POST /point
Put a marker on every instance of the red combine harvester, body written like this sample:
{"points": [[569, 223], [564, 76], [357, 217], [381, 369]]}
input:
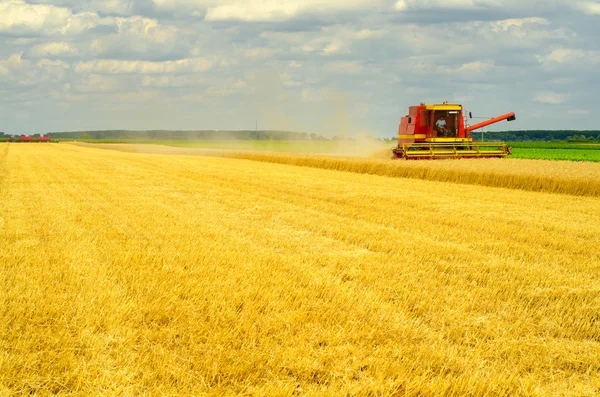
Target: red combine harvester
{"points": [[439, 131], [25, 138]]}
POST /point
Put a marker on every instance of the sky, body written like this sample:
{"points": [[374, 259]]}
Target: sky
{"points": [[333, 67]]}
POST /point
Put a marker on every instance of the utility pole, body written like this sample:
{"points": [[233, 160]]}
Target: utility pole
{"points": [[486, 118]]}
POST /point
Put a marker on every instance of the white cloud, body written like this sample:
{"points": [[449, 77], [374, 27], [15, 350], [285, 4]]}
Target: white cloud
{"points": [[54, 69], [330, 40], [146, 27], [172, 81], [343, 67], [550, 98], [506, 24], [14, 63], [113, 6], [516, 31], [262, 10], [369, 34], [563, 55], [172, 5], [51, 49], [587, 6], [50, 63], [569, 56], [113, 66], [403, 5], [18, 17], [79, 23], [136, 35], [260, 52], [25, 72], [98, 83], [427, 50], [209, 87], [590, 7], [337, 46], [476, 67]]}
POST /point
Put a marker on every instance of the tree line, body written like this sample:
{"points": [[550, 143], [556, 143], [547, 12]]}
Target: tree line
{"points": [[512, 136], [190, 135], [541, 135]]}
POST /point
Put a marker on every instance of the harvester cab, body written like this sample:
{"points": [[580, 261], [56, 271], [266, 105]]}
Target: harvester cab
{"points": [[440, 131]]}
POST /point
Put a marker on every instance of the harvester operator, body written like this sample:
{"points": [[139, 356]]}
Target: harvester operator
{"points": [[440, 126]]}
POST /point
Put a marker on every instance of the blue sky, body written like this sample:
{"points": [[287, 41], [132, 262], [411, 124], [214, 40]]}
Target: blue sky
{"points": [[332, 67]]}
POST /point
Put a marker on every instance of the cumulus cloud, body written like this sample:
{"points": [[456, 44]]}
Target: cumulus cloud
{"points": [[20, 18], [263, 10], [440, 11], [550, 98], [329, 40], [111, 7], [512, 23], [403, 5], [51, 49], [260, 52], [569, 55], [590, 7], [113, 66], [98, 83], [279, 10], [386, 54], [138, 38], [343, 67], [57, 69], [369, 33], [14, 62], [471, 68], [18, 71]]}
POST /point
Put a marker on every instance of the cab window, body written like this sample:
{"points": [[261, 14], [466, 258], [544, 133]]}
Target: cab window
{"points": [[445, 123]]}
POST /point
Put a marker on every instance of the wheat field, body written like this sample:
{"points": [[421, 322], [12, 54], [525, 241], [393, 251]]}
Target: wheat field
{"points": [[574, 178], [153, 274]]}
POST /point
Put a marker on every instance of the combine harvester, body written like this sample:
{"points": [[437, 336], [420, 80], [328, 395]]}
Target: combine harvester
{"points": [[440, 132], [26, 138]]}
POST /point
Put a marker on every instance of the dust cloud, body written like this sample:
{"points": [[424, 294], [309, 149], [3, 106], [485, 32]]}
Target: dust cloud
{"points": [[281, 104]]}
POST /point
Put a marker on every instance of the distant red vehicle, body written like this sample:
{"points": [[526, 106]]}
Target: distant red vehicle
{"points": [[24, 138], [44, 139]]}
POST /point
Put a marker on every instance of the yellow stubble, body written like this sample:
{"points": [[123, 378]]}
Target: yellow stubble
{"points": [[134, 273]]}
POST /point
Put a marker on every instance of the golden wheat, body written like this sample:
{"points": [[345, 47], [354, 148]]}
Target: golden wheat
{"points": [[566, 177], [581, 179], [141, 274]]}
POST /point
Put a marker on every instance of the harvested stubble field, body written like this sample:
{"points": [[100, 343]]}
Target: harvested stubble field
{"points": [[130, 274]]}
